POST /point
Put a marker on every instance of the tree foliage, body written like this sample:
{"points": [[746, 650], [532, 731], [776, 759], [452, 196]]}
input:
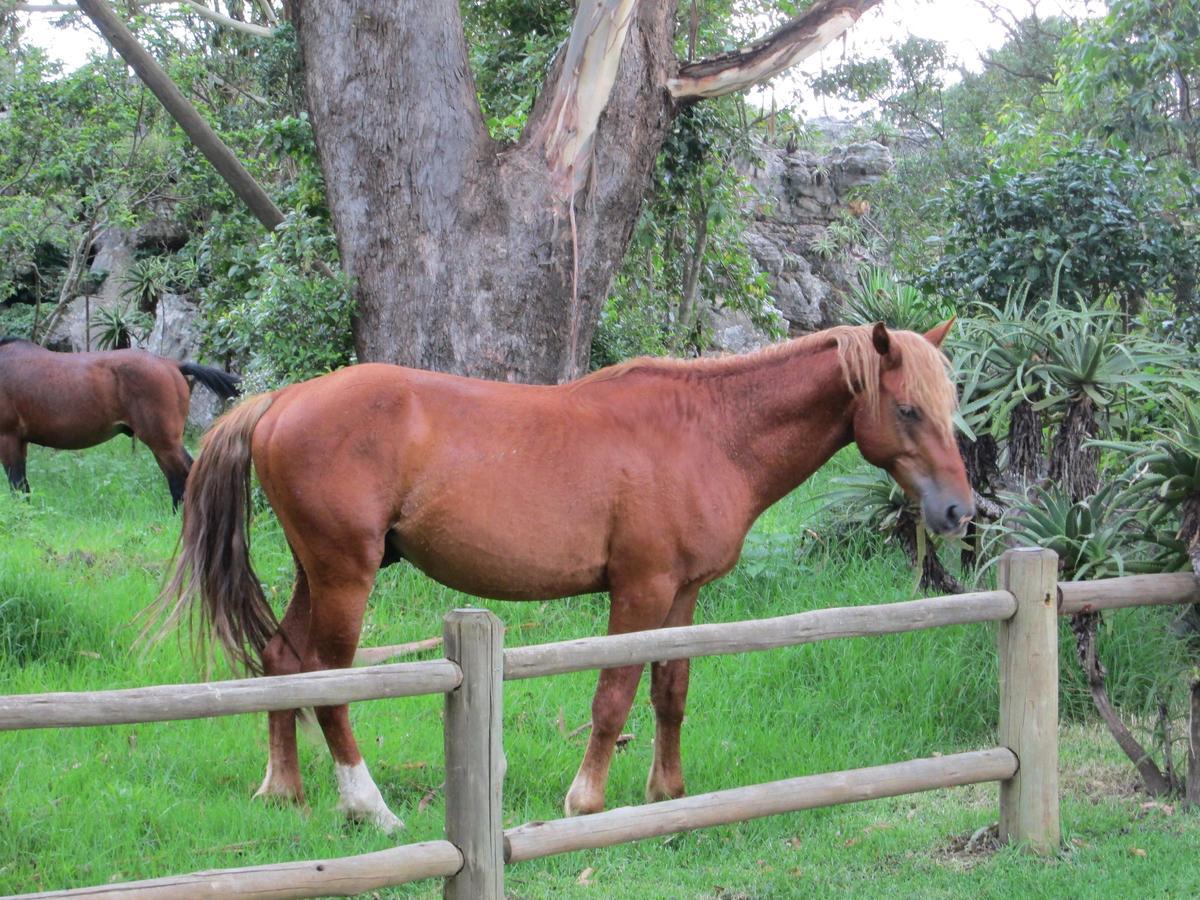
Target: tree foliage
{"points": [[1090, 219]]}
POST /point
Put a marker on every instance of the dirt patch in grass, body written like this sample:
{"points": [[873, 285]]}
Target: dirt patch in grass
{"points": [[965, 851]]}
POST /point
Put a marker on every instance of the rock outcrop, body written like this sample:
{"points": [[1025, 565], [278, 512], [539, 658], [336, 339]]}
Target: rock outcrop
{"points": [[809, 267], [176, 329]]}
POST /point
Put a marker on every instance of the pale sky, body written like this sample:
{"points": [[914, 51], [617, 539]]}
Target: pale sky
{"points": [[965, 26]]}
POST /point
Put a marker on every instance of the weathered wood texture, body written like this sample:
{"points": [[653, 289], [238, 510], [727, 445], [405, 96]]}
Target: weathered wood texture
{"points": [[618, 826], [1131, 590], [182, 111], [1028, 642], [761, 634], [373, 656], [475, 754], [314, 878], [165, 702]]}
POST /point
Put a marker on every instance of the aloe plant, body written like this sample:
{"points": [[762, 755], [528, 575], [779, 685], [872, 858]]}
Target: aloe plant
{"points": [[1092, 537], [1164, 477], [879, 297], [119, 327], [1010, 344], [1091, 359]]}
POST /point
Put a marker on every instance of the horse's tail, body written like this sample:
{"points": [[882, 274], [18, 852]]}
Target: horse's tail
{"points": [[213, 563], [223, 384]]}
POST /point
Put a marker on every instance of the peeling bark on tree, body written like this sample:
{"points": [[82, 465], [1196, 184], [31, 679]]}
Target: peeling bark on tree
{"points": [[476, 257], [467, 252], [728, 73], [1084, 627]]}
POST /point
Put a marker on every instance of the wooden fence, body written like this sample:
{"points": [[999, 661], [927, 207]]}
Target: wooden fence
{"points": [[477, 847]]}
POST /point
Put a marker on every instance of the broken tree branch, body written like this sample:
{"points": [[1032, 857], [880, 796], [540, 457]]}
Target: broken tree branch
{"points": [[1084, 627], [182, 111], [801, 37]]}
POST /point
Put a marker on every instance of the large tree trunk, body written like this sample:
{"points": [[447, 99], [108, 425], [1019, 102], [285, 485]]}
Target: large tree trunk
{"points": [[472, 256], [490, 259]]}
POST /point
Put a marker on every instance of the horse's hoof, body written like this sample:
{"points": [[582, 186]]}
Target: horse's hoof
{"points": [[658, 789], [575, 806], [361, 800], [656, 794], [276, 790]]}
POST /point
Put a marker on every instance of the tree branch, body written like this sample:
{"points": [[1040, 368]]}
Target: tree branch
{"points": [[796, 40], [213, 16], [198, 8], [197, 129], [585, 81]]}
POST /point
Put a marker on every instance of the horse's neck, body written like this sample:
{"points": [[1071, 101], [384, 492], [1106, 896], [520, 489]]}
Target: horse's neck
{"points": [[784, 419]]}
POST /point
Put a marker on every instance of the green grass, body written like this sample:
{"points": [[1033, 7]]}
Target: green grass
{"points": [[88, 806]]}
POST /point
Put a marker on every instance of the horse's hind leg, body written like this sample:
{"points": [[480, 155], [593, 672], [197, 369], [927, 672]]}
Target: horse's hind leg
{"points": [[283, 656], [634, 608], [159, 425], [339, 585], [668, 693], [175, 463], [12, 457]]}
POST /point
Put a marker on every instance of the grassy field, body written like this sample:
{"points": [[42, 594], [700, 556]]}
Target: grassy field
{"points": [[89, 806]]}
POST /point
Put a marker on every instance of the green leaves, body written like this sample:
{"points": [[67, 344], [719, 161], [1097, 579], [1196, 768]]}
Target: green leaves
{"points": [[1087, 219], [1093, 538]]}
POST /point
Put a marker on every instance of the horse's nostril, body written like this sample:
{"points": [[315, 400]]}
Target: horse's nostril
{"points": [[957, 516]]}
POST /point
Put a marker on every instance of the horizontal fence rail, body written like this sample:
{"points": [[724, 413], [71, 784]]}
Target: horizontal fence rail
{"points": [[633, 823], [691, 641], [1026, 766], [1129, 590], [315, 878], [165, 702]]}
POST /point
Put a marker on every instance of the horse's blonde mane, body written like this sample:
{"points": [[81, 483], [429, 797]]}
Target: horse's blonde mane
{"points": [[926, 384]]}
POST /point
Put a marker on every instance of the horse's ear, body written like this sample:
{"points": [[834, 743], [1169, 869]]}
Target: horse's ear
{"points": [[881, 339], [938, 333]]}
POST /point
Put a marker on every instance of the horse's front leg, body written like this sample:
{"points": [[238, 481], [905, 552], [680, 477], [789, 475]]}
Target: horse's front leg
{"points": [[635, 607], [668, 693], [12, 457]]}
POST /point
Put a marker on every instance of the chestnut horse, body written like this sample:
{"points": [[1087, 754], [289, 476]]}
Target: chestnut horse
{"points": [[74, 400], [641, 480]]}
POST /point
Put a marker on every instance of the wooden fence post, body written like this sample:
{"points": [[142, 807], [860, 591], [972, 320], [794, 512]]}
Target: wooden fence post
{"points": [[475, 754], [1029, 700]]}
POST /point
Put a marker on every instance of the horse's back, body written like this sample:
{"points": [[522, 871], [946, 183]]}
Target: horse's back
{"points": [[500, 490], [74, 400]]}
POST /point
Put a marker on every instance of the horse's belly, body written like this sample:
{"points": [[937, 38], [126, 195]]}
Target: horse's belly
{"points": [[506, 564], [74, 436]]}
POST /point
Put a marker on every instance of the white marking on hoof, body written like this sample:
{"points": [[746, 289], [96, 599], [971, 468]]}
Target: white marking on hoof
{"points": [[360, 798]]}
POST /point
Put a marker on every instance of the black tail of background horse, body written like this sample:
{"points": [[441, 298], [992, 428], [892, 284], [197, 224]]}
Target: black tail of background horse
{"points": [[220, 383]]}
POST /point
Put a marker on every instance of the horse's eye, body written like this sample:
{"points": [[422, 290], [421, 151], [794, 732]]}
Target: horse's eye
{"points": [[909, 413]]}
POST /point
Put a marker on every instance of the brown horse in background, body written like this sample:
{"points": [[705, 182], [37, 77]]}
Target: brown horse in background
{"points": [[70, 401], [641, 480]]}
